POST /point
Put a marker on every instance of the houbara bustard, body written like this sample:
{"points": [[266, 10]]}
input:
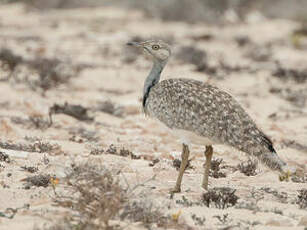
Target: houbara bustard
{"points": [[201, 113]]}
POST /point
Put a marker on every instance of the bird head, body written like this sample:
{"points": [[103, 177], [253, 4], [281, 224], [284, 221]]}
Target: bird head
{"points": [[155, 49]]}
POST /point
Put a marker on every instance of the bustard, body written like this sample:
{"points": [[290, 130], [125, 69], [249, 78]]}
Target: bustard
{"points": [[201, 113]]}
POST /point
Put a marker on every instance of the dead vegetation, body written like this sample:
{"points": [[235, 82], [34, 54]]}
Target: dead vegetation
{"points": [[95, 198], [95, 195], [297, 97], [4, 157], [281, 196], [32, 122], [42, 180], [8, 62], [294, 144], [248, 168], [121, 152], [258, 53], [30, 169], [289, 74], [216, 166], [220, 198], [299, 178], [77, 111], [38, 146], [145, 212], [79, 134], [200, 221], [302, 198], [42, 73]]}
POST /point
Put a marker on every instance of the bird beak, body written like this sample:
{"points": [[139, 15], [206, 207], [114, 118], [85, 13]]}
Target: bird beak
{"points": [[136, 44]]}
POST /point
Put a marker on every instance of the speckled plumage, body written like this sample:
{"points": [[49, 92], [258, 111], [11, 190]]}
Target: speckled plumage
{"points": [[208, 113]]}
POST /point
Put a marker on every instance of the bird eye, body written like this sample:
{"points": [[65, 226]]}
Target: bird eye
{"points": [[155, 47]]}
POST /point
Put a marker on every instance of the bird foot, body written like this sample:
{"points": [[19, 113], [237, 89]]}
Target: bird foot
{"points": [[175, 190]]}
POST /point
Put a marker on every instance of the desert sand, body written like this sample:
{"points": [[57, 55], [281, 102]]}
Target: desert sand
{"points": [[240, 59]]}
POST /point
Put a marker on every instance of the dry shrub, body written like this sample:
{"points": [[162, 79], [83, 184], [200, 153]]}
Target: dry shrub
{"points": [[77, 111], [89, 135], [30, 169], [297, 97], [38, 146], [216, 167], [302, 198], [42, 180], [9, 60], [220, 197], [145, 212], [299, 178], [286, 74], [36, 122], [281, 196], [95, 195], [4, 157], [122, 152], [248, 168], [38, 73], [95, 198]]}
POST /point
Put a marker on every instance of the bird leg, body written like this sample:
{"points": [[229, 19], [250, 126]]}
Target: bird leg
{"points": [[208, 154], [184, 161]]}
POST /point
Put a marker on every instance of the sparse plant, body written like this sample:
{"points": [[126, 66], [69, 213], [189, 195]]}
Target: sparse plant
{"points": [[77, 111], [299, 178], [88, 135], [302, 198], [30, 169], [42, 180], [145, 212], [4, 157], [224, 219], [248, 168], [97, 151], [36, 122], [186, 202], [96, 197], [122, 152], [95, 194], [38, 146], [281, 196], [198, 220], [220, 197], [216, 167]]}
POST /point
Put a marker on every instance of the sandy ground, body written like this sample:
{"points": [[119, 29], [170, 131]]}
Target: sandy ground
{"points": [[97, 37]]}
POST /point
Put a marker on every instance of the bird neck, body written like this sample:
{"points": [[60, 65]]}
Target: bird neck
{"points": [[152, 79]]}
